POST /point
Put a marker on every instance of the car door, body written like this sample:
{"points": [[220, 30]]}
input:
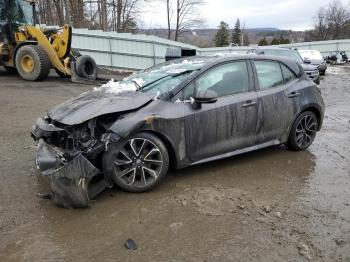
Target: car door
{"points": [[276, 99], [228, 124]]}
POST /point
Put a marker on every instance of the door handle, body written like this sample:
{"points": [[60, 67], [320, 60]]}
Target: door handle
{"points": [[293, 94], [249, 103]]}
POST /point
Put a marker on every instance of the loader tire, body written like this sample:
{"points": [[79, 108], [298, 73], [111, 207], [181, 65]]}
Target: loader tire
{"points": [[32, 63], [86, 67]]}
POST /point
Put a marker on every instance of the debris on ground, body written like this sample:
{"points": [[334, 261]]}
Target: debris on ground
{"points": [[267, 209], [44, 195], [304, 251], [278, 214], [130, 244], [340, 242]]}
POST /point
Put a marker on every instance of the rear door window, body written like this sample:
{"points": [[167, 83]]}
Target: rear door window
{"points": [[269, 74]]}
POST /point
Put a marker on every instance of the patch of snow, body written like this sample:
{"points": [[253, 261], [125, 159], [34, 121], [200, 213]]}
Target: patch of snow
{"points": [[139, 81], [117, 87], [176, 71]]}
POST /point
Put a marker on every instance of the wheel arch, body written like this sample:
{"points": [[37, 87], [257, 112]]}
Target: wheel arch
{"points": [[173, 160], [314, 108], [19, 45]]}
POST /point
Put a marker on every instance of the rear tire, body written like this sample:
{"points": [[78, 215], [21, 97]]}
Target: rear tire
{"points": [[32, 63], [303, 131], [138, 163]]}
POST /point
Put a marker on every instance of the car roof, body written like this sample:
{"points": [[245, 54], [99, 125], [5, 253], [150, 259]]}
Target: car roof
{"points": [[272, 48], [290, 63]]}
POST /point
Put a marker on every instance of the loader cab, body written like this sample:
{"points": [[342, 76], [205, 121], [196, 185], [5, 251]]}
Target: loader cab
{"points": [[17, 11], [14, 13]]}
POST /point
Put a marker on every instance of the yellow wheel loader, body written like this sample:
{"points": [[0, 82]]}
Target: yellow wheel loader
{"points": [[32, 51]]}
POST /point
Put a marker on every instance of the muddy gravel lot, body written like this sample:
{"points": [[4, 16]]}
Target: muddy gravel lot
{"points": [[269, 205]]}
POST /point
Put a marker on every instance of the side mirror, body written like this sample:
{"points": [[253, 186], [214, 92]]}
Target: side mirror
{"points": [[204, 97], [307, 60]]}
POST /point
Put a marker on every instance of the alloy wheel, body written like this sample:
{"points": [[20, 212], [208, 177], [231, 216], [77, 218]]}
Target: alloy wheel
{"points": [[138, 163], [306, 131]]}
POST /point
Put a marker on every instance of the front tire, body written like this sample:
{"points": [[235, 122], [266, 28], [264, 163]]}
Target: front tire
{"points": [[138, 163], [303, 131], [32, 63]]}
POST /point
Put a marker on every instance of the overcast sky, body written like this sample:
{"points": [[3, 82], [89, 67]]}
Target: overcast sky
{"points": [[282, 14]]}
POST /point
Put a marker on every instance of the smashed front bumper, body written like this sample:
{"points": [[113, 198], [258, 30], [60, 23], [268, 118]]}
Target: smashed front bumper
{"points": [[73, 179], [69, 180]]}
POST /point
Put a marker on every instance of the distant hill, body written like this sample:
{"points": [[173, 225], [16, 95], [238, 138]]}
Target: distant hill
{"points": [[205, 37]]}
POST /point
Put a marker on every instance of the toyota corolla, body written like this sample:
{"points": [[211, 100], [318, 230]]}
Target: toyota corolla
{"points": [[176, 114]]}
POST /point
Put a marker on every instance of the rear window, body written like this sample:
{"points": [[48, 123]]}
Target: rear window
{"points": [[311, 54], [291, 54], [269, 74]]}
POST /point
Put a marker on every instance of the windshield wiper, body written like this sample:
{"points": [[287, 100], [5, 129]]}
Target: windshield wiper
{"points": [[137, 84], [170, 75]]}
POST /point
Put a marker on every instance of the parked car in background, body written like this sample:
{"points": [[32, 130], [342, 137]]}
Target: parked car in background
{"points": [[315, 58], [309, 69], [179, 113], [338, 57]]}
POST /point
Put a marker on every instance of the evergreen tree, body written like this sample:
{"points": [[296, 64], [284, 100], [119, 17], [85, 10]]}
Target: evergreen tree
{"points": [[263, 42], [275, 41], [236, 34], [281, 40], [287, 41], [222, 35]]}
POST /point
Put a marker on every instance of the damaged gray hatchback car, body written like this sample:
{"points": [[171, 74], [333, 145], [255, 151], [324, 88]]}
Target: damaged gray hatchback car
{"points": [[179, 113]]}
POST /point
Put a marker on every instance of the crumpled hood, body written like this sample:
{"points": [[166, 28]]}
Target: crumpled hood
{"points": [[308, 67], [317, 62], [96, 103]]}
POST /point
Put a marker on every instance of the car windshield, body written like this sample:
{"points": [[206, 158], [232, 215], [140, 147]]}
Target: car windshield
{"points": [[163, 78], [160, 79], [286, 53], [311, 54], [19, 11]]}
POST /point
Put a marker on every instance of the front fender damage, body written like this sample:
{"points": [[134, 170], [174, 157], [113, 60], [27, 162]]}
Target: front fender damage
{"points": [[69, 179]]}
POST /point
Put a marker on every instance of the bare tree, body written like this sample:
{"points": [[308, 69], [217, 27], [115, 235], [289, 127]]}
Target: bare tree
{"points": [[169, 14], [187, 16], [115, 15], [59, 11], [331, 22]]}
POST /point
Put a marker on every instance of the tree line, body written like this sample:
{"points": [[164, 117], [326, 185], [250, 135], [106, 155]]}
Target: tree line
{"points": [[107, 15], [119, 15], [331, 22]]}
